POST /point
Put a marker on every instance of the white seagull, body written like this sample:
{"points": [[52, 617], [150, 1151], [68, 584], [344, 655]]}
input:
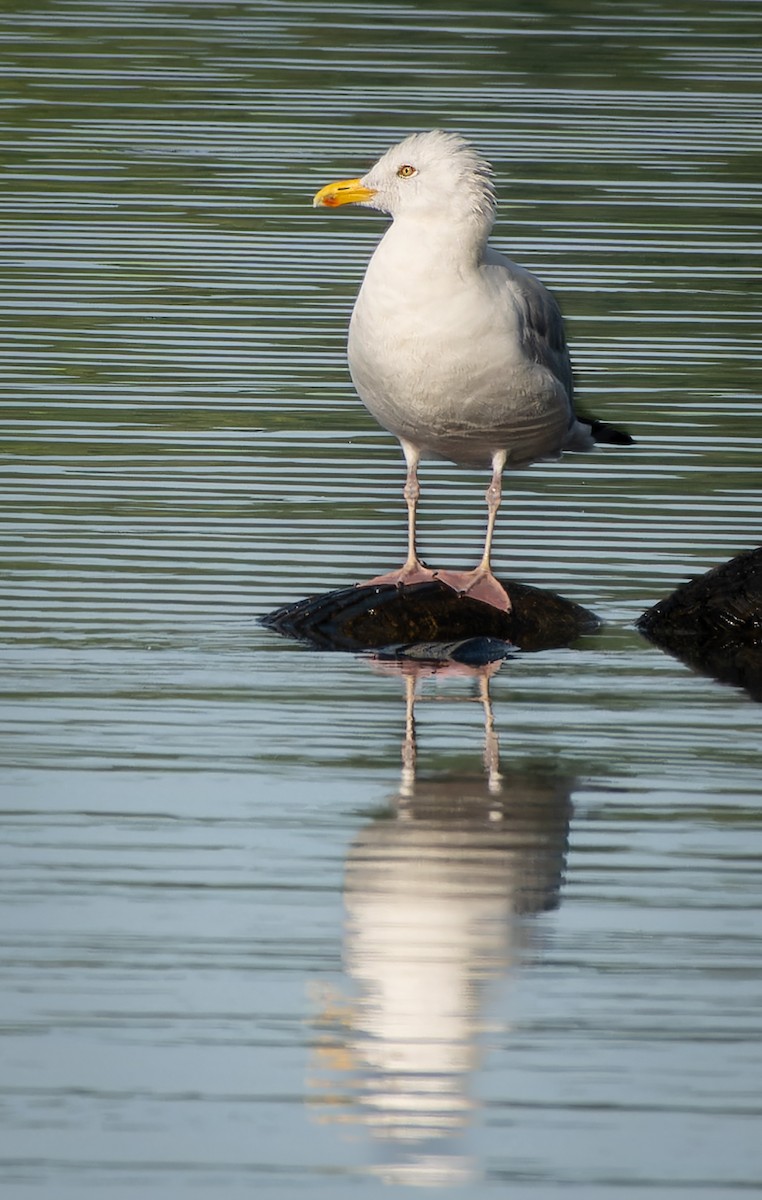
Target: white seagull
{"points": [[455, 349]]}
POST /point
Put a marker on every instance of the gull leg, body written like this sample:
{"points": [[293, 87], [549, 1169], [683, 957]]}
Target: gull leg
{"points": [[412, 492], [481, 584], [412, 570]]}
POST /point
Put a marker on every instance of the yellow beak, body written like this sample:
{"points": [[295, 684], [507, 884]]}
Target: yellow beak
{"points": [[344, 191]]}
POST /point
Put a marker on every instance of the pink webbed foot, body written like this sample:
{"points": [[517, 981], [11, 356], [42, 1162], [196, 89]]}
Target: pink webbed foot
{"points": [[480, 584], [409, 574]]}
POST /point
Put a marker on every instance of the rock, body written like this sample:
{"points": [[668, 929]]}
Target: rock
{"points": [[403, 620], [714, 623]]}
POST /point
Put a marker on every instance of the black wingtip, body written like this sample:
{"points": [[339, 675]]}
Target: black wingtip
{"points": [[603, 432]]}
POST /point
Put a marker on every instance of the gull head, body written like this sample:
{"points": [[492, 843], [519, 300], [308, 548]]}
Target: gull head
{"points": [[427, 176]]}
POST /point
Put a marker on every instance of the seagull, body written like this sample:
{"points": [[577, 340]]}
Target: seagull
{"points": [[455, 349]]}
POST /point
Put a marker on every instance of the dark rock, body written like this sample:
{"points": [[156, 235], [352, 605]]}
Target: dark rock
{"points": [[394, 620], [714, 623]]}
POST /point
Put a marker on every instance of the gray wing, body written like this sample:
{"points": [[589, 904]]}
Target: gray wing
{"points": [[542, 333], [544, 341]]}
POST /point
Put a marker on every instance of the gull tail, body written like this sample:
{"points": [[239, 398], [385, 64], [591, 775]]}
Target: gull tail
{"points": [[603, 432]]}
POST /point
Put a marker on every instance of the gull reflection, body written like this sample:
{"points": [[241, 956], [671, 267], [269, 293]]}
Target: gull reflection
{"points": [[438, 893]]}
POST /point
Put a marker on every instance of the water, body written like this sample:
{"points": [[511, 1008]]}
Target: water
{"points": [[280, 922]]}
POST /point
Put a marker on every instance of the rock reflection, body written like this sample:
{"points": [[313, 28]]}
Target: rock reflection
{"points": [[436, 895]]}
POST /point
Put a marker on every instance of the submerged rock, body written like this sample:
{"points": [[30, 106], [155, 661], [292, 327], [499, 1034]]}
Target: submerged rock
{"points": [[714, 623], [405, 620]]}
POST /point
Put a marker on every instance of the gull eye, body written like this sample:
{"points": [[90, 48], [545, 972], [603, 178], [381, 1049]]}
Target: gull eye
{"points": [[406, 171]]}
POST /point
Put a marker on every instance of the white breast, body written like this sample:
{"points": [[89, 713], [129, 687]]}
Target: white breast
{"points": [[436, 352]]}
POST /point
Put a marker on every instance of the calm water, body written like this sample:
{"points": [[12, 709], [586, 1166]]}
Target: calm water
{"points": [[286, 923]]}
